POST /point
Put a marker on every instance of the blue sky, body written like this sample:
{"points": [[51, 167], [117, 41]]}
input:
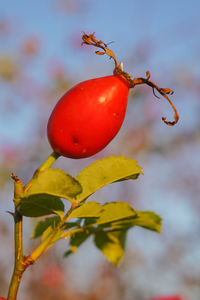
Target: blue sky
{"points": [[171, 26], [172, 23]]}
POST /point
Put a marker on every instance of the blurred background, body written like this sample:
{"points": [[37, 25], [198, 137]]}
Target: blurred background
{"points": [[40, 58]]}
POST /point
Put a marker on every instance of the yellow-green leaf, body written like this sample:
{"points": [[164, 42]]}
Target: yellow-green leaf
{"points": [[147, 219], [53, 182], [111, 244], [105, 171], [115, 211], [40, 205], [87, 210], [41, 226]]}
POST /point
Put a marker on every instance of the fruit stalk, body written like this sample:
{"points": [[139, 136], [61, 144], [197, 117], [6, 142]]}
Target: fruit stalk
{"points": [[48, 163]]}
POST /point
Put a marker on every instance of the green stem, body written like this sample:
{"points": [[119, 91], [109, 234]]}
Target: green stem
{"points": [[47, 164], [49, 240], [20, 263], [67, 234], [43, 247], [18, 267]]}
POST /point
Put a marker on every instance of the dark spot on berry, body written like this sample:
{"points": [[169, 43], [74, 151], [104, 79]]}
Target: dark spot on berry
{"points": [[75, 140]]}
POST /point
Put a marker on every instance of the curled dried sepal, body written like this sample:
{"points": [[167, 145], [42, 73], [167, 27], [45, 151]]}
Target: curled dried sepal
{"points": [[162, 91], [99, 52], [89, 39]]}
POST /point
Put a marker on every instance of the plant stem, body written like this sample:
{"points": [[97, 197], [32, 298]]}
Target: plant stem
{"points": [[22, 263], [18, 267], [50, 239], [48, 162]]}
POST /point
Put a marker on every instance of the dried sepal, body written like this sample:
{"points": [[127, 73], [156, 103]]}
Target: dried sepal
{"points": [[99, 52], [89, 39], [162, 91]]}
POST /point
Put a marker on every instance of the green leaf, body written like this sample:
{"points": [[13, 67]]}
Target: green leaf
{"points": [[87, 210], [53, 182], [105, 171], [111, 245], [69, 225], [147, 219], [88, 222], [76, 241], [115, 211], [41, 226], [40, 205]]}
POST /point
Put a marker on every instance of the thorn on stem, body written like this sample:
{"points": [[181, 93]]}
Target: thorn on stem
{"points": [[11, 213]]}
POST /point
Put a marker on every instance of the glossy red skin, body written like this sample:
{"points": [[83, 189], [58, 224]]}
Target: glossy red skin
{"points": [[88, 116], [168, 298]]}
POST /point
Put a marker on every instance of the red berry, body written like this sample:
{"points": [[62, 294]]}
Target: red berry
{"points": [[88, 116], [1, 298], [168, 298]]}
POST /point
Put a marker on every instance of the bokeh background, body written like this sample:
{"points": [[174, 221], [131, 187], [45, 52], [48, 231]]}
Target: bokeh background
{"points": [[40, 58]]}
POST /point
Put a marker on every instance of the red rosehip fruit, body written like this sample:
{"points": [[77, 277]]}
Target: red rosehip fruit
{"points": [[175, 297], [88, 116]]}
